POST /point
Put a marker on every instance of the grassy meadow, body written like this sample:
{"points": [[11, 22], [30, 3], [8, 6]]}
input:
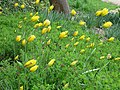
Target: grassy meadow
{"points": [[44, 50]]}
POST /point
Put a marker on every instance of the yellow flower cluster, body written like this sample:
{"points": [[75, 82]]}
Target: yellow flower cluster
{"points": [[107, 24], [50, 8], [35, 18], [103, 12], [63, 34], [82, 23], [31, 63], [73, 12]]}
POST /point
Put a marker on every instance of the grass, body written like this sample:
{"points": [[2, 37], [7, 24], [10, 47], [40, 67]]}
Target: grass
{"points": [[90, 72]]}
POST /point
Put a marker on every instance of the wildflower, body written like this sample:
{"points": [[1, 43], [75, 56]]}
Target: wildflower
{"points": [[35, 18], [111, 39], [102, 57], [21, 88], [40, 24], [63, 35], [46, 22], [16, 57], [67, 46], [75, 33], [16, 4], [82, 23], [34, 68], [24, 42], [25, 18], [30, 63], [88, 39], [118, 58], [92, 45], [109, 56], [36, 25], [31, 14], [59, 27], [37, 2], [76, 43], [73, 12], [49, 28], [107, 24], [73, 63], [22, 6], [82, 37], [31, 38], [51, 62], [66, 85], [104, 12], [18, 38], [98, 13], [51, 7], [48, 42], [44, 30], [0, 10], [72, 39], [19, 26], [82, 51]]}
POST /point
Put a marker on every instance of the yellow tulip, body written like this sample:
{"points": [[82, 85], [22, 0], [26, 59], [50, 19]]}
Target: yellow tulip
{"points": [[72, 39], [31, 14], [111, 39], [30, 63], [74, 63], [44, 30], [46, 22], [59, 27], [88, 39], [34, 68], [76, 43], [82, 51], [18, 38], [40, 24], [104, 12], [92, 45], [36, 25], [16, 4], [63, 35], [19, 26], [31, 38], [16, 57], [82, 37], [35, 18], [48, 42], [98, 13], [73, 12], [118, 58], [51, 62], [24, 42], [25, 18], [37, 2], [102, 57], [21, 88], [82, 23], [49, 29], [22, 6], [67, 46], [107, 24], [51, 7], [66, 85], [75, 33]]}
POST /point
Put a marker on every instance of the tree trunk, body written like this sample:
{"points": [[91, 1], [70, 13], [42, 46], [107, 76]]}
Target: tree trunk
{"points": [[60, 6]]}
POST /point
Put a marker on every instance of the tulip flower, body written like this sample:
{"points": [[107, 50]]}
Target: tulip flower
{"points": [[35, 18], [74, 63], [22, 6], [75, 33], [111, 39], [24, 42], [18, 38], [31, 38], [73, 12], [82, 23], [16, 5], [34, 68], [107, 24], [46, 22], [51, 62], [30, 63]]}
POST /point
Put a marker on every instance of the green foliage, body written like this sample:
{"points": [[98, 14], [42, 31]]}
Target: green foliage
{"points": [[90, 72]]}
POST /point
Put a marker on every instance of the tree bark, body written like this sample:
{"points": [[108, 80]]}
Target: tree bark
{"points": [[60, 6]]}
